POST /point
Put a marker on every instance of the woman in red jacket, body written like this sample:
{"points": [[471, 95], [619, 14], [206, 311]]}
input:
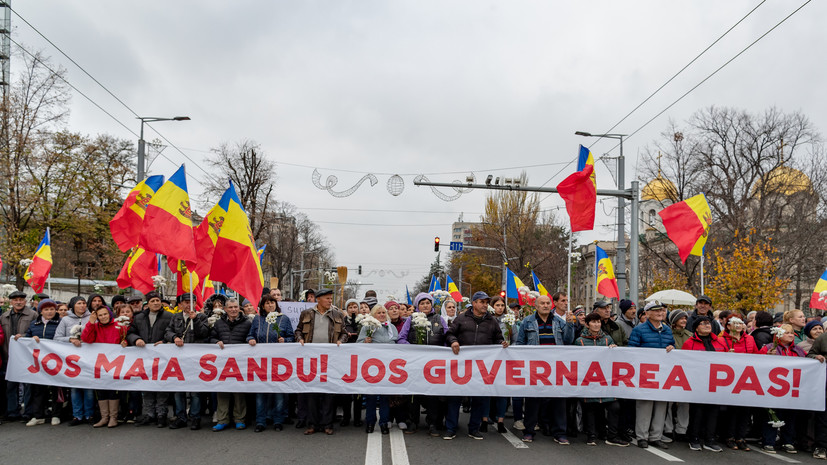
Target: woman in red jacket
{"points": [[735, 339], [103, 329], [703, 418]]}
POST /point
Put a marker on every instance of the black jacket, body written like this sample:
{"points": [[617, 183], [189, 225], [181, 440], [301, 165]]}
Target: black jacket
{"points": [[192, 331], [140, 329], [762, 336], [231, 332], [470, 331]]}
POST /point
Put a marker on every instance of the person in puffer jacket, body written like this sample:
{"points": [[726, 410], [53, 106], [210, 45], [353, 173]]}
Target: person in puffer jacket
{"points": [[783, 344], [650, 416], [188, 326], [231, 328], [44, 327], [270, 406], [102, 328], [83, 400], [703, 418], [609, 407], [735, 339]]}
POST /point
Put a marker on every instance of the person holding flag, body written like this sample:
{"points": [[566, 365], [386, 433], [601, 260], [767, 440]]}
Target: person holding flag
{"points": [[15, 321]]}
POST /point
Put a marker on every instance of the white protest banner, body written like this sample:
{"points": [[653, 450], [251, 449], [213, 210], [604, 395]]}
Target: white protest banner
{"points": [[523, 371]]}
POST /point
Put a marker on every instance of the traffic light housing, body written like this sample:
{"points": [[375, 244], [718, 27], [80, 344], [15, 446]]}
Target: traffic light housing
{"points": [[360, 269], [436, 244], [502, 294]]}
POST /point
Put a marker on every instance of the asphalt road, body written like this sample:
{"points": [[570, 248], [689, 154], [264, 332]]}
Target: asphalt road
{"points": [[128, 444]]}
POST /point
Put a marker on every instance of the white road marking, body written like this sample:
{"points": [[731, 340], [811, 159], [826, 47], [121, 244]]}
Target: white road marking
{"points": [[778, 456], [399, 454], [514, 440], [662, 454], [373, 454]]}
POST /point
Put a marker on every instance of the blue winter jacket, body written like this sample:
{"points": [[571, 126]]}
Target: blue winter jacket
{"points": [[263, 332], [528, 334], [43, 331], [645, 335]]}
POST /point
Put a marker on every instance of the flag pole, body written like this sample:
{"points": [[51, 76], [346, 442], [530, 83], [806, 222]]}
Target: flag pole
{"points": [[702, 273], [49, 276], [595, 270], [568, 274]]}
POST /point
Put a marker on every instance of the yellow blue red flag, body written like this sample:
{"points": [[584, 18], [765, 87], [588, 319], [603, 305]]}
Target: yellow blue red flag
{"points": [[821, 286], [38, 270], [538, 286], [235, 260], [167, 226], [126, 225], [452, 289], [605, 273], [687, 225]]}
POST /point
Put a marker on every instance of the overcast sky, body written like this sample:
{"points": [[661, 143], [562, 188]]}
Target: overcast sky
{"points": [[419, 87]]}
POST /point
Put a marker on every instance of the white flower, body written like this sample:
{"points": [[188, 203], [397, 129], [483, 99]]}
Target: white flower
{"points": [[122, 321], [370, 322], [272, 317], [822, 296], [25, 262], [98, 289], [777, 331], [534, 295], [251, 317], [523, 290], [776, 424], [159, 280], [392, 298], [211, 321], [360, 317], [8, 289], [491, 309], [218, 312], [509, 319], [466, 300], [420, 320], [75, 331], [576, 255]]}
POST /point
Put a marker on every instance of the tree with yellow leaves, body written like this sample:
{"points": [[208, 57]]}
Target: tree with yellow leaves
{"points": [[746, 277]]}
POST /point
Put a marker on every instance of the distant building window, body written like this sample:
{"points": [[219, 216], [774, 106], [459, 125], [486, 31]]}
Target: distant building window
{"points": [[652, 216]]}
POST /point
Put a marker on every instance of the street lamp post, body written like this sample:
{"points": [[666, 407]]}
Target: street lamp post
{"points": [[142, 144], [621, 212]]}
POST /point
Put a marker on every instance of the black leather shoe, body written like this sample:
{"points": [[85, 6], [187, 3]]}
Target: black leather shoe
{"points": [[484, 427], [369, 428], [643, 444], [301, 424], [162, 422], [145, 421], [659, 444], [196, 425], [75, 422], [178, 423], [278, 427], [345, 423], [259, 428], [384, 429], [357, 423]]}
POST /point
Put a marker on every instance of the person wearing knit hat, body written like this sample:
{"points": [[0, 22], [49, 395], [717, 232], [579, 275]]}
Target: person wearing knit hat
{"points": [[812, 331], [43, 327], [677, 424], [627, 316], [346, 401], [435, 336]]}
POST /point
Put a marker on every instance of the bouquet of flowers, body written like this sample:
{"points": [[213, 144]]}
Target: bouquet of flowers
{"points": [[774, 421], [251, 316], [439, 297], [159, 281], [508, 320], [272, 319], [75, 332], [370, 324], [420, 323], [122, 322]]}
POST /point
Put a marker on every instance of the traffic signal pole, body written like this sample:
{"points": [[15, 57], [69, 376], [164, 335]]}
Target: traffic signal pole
{"points": [[631, 194]]}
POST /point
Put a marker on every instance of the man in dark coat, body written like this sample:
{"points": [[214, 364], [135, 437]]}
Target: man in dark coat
{"points": [[149, 327], [231, 328], [16, 321], [473, 327], [187, 327]]}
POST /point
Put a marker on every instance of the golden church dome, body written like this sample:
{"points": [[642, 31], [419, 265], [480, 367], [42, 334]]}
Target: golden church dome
{"points": [[659, 189], [784, 181]]}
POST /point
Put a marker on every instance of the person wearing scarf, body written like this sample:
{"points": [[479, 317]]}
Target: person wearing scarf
{"points": [[736, 340], [385, 334], [449, 310], [783, 343], [703, 418], [101, 328]]}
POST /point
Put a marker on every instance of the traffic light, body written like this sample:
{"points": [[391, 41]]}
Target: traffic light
{"points": [[502, 294], [360, 269], [436, 244]]}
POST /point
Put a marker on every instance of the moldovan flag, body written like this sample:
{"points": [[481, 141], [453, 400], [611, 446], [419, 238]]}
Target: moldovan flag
{"points": [[1, 264], [434, 286], [452, 289], [138, 271], [821, 286], [38, 270], [687, 225], [208, 288], [538, 286], [235, 261], [183, 275], [579, 190], [167, 226], [513, 284], [126, 225], [408, 293], [260, 252], [605, 272], [206, 235]]}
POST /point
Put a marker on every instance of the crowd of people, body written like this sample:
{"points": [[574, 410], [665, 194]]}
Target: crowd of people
{"points": [[139, 320]]}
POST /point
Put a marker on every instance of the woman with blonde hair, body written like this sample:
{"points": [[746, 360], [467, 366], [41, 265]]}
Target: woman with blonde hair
{"points": [[797, 320], [385, 334]]}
